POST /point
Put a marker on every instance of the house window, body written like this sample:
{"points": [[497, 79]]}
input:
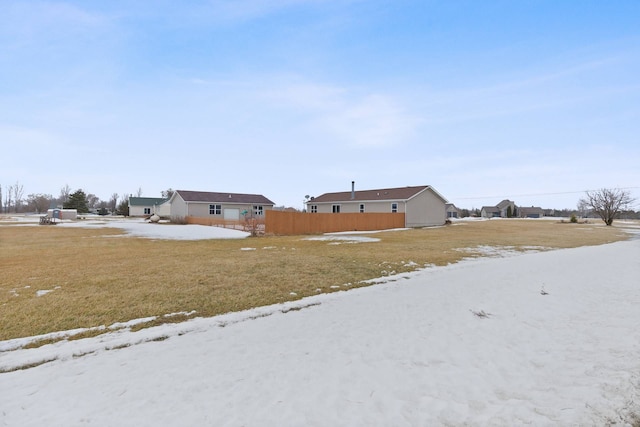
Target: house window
{"points": [[394, 207], [147, 211], [313, 208], [335, 208], [361, 207], [257, 210], [215, 209]]}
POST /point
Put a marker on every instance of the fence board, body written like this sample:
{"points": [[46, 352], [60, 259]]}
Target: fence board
{"points": [[225, 223], [293, 223]]}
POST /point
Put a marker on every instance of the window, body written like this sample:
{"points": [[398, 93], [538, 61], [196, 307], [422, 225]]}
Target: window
{"points": [[147, 211], [215, 209], [335, 208], [394, 207], [361, 207], [257, 210], [313, 208]]}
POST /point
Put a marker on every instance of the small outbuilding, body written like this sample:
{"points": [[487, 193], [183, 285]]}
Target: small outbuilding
{"points": [[60, 214]]}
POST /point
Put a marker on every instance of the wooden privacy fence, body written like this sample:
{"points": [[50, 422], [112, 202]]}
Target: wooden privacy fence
{"points": [[292, 223], [252, 225]]}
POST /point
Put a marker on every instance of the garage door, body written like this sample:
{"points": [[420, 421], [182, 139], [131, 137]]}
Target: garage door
{"points": [[232, 214]]}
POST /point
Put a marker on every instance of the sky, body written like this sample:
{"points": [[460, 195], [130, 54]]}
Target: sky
{"points": [[535, 101]]}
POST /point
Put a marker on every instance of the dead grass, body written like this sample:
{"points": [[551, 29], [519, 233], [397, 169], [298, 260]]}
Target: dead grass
{"points": [[98, 278]]}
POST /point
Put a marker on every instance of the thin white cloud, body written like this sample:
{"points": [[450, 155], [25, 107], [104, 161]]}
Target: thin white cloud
{"points": [[34, 20], [373, 121], [561, 87], [351, 118]]}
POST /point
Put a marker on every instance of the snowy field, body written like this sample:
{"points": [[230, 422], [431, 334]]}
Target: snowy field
{"points": [[546, 338], [137, 227]]}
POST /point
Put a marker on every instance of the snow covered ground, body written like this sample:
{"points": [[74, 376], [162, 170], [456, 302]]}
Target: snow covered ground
{"points": [[141, 228], [546, 338]]}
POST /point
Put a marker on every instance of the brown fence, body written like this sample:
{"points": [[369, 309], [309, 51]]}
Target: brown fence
{"points": [[251, 225], [292, 223]]}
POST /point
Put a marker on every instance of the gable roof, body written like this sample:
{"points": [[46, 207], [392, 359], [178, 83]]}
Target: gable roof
{"points": [[490, 209], [146, 201], [504, 204], [400, 193], [532, 209], [211, 197]]}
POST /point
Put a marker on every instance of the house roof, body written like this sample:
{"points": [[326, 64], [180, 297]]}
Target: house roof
{"points": [[532, 209], [490, 209], [146, 201], [211, 197], [400, 193], [505, 203]]}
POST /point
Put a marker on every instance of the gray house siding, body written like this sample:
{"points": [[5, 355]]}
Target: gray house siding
{"points": [[370, 206], [425, 209], [179, 208], [217, 205], [422, 205]]}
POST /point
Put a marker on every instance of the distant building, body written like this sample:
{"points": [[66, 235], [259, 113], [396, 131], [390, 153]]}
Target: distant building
{"points": [[532, 212], [504, 209], [144, 206], [452, 211]]}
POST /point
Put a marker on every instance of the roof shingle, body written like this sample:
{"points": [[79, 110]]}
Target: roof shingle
{"points": [[211, 197], [400, 193]]}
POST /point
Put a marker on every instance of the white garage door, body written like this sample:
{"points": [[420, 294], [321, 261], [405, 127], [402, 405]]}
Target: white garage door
{"points": [[232, 214]]}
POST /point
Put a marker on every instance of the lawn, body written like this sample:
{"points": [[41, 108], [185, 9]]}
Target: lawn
{"points": [[100, 277]]}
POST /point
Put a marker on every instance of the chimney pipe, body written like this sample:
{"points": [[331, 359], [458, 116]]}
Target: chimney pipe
{"points": [[353, 190]]}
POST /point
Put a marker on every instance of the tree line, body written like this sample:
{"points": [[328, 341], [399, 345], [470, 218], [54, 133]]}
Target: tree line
{"points": [[13, 200]]}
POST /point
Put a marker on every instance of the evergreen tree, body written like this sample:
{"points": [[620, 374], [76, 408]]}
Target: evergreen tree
{"points": [[78, 201]]}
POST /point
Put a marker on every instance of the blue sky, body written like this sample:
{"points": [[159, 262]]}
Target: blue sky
{"points": [[535, 101]]}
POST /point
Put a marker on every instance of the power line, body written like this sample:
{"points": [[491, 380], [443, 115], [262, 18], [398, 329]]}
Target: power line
{"points": [[537, 194]]}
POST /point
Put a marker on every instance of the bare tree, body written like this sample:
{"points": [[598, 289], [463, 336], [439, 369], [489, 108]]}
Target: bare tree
{"points": [[7, 199], [607, 203], [38, 203], [64, 194], [166, 194], [18, 194], [113, 202], [139, 192], [0, 198], [92, 201], [583, 208]]}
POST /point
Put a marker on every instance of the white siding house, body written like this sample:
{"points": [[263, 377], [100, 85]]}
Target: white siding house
{"points": [[145, 206]]}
